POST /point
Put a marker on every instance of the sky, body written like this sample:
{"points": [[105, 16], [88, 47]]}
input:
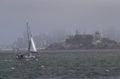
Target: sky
{"points": [[46, 16]]}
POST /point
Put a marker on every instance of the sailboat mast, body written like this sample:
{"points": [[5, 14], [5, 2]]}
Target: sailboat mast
{"points": [[28, 35]]}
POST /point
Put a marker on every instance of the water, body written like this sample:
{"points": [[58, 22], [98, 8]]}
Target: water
{"points": [[73, 65]]}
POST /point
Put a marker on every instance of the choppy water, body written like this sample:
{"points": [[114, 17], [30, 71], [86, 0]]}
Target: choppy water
{"points": [[80, 65]]}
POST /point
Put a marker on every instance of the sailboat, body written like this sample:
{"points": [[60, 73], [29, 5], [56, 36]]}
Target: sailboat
{"points": [[31, 46]]}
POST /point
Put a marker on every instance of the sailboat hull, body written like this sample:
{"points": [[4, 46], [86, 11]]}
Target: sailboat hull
{"points": [[27, 58]]}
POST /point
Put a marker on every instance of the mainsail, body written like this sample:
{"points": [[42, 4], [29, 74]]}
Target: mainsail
{"points": [[31, 44]]}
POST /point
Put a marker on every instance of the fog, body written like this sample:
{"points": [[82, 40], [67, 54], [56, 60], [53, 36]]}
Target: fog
{"points": [[47, 16]]}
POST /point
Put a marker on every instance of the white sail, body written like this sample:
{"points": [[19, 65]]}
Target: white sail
{"points": [[33, 45]]}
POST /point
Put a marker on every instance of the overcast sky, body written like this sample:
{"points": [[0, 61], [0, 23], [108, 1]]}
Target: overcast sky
{"points": [[50, 15]]}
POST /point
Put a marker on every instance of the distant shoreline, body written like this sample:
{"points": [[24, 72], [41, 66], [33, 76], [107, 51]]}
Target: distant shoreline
{"points": [[67, 51], [81, 50]]}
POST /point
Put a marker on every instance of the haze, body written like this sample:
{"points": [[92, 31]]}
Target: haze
{"points": [[46, 16]]}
